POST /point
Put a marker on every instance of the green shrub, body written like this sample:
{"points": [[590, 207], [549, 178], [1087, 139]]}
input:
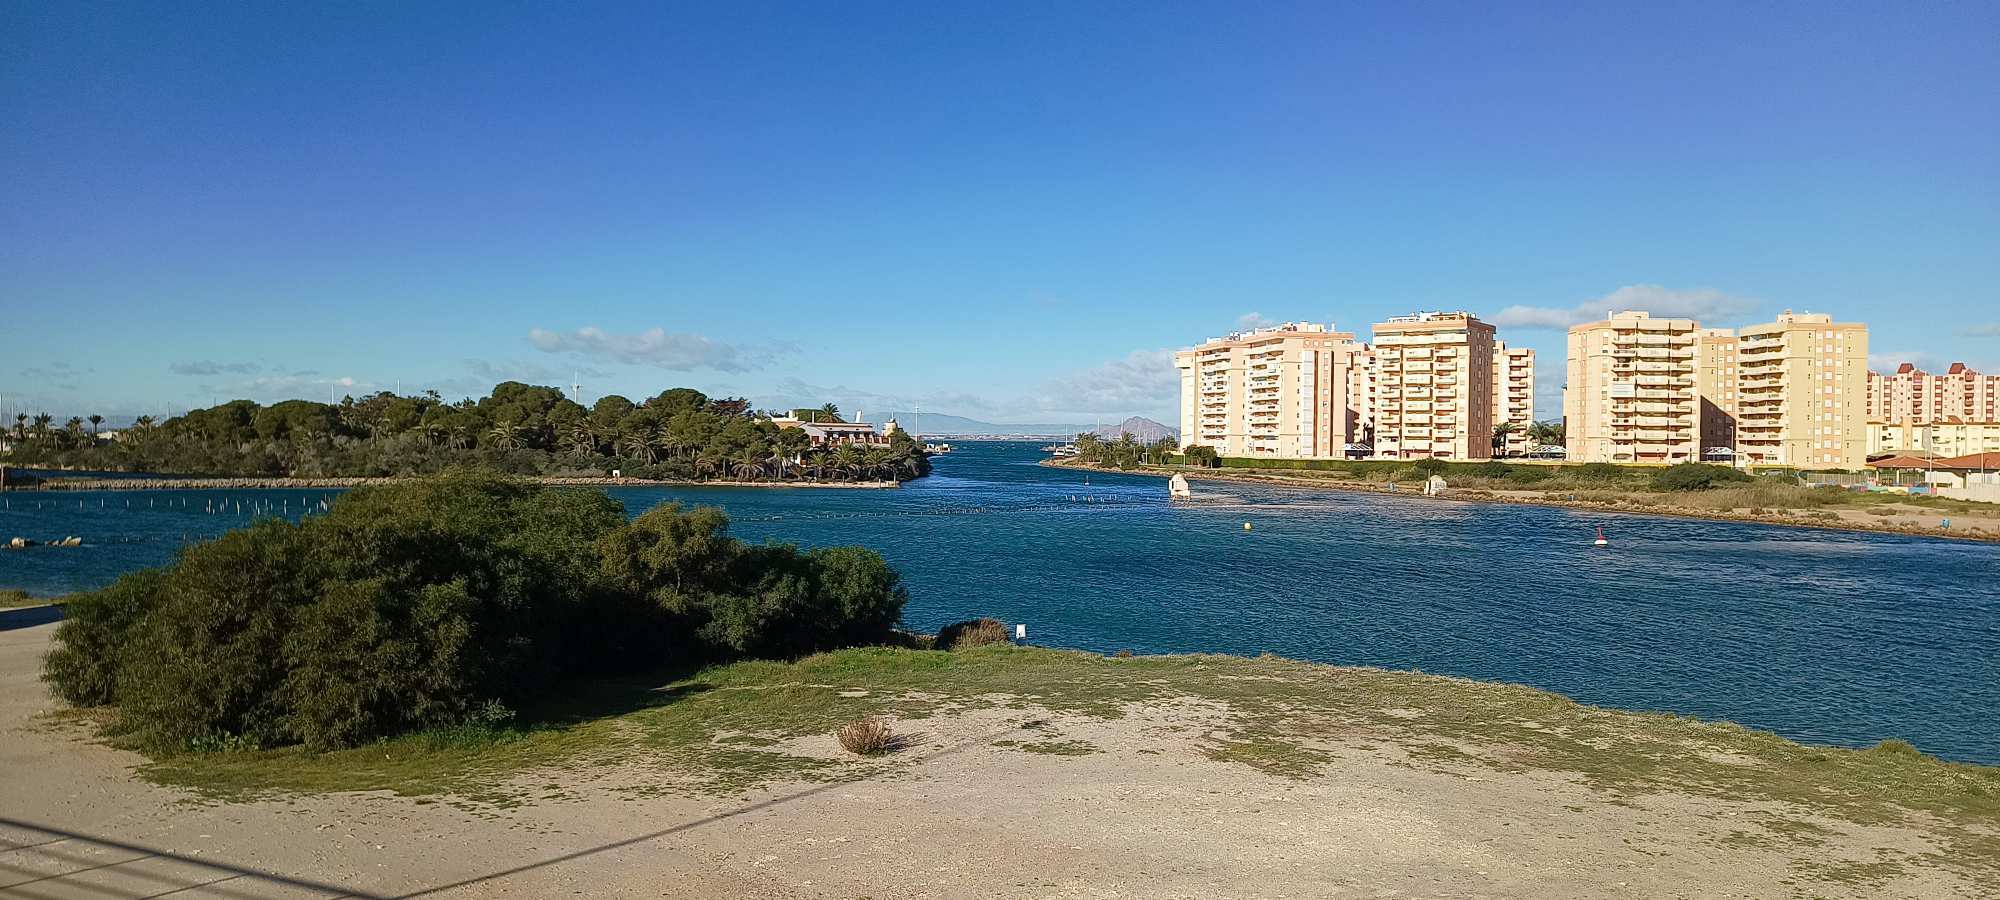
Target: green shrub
{"points": [[1425, 468], [971, 633], [1598, 472], [1528, 474], [82, 667], [1694, 476], [442, 604]]}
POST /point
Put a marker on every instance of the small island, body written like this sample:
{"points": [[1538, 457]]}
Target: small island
{"points": [[678, 435]]}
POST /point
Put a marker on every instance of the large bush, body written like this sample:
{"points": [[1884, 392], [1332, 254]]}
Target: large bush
{"points": [[431, 603], [1693, 476], [83, 666]]}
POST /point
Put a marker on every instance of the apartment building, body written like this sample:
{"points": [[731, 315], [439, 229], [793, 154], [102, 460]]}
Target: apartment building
{"points": [[1282, 392], [1631, 394], [1514, 394], [1948, 438], [1715, 392], [1912, 395], [1802, 386], [1434, 386]]}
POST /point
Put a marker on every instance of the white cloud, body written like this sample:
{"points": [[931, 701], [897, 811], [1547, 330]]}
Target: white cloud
{"points": [[793, 393], [303, 385], [1983, 329], [205, 367], [657, 348], [1888, 361], [1548, 390], [1143, 381], [1706, 304], [1251, 321]]}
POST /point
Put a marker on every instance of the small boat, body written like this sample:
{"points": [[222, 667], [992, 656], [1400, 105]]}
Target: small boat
{"points": [[1600, 542]]}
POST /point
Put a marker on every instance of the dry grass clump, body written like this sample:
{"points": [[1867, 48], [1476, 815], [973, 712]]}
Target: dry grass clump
{"points": [[971, 633], [866, 737]]}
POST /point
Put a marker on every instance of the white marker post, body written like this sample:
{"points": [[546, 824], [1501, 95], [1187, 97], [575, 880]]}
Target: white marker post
{"points": [[1021, 634]]}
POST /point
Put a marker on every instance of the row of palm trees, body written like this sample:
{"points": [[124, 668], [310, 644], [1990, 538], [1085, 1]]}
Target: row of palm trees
{"points": [[40, 430], [848, 461]]}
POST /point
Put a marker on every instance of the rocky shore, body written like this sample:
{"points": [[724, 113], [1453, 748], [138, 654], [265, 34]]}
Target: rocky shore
{"points": [[1985, 529]]}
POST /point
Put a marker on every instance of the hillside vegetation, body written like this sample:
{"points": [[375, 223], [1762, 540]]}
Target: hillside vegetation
{"points": [[517, 429]]}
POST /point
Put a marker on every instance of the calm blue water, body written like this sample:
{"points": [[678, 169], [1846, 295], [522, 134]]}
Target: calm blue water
{"points": [[1829, 637]]}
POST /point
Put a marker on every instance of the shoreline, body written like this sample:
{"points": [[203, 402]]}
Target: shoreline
{"points": [[1479, 495], [210, 484]]}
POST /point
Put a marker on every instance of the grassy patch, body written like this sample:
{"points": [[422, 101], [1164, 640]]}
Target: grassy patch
{"points": [[15, 597]]}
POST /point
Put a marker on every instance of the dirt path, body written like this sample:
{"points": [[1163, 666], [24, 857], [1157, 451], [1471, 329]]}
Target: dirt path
{"points": [[983, 805]]}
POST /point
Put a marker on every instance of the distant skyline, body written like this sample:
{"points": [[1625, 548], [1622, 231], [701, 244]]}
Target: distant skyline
{"points": [[1008, 213]]}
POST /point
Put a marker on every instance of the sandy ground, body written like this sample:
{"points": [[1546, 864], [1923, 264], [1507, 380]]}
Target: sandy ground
{"points": [[957, 816]]}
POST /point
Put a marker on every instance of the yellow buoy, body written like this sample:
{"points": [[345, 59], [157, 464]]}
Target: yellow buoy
{"points": [[1246, 526]]}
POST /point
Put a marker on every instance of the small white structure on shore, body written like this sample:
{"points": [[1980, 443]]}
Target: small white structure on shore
{"points": [[1434, 486], [1177, 487]]}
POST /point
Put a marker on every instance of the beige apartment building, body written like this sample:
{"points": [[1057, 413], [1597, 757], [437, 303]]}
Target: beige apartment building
{"points": [[1514, 394], [1283, 392], [1715, 392], [1802, 386], [1631, 394], [1434, 386], [1949, 438], [1912, 395]]}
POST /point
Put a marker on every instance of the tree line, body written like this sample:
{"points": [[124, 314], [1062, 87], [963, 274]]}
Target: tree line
{"points": [[1125, 452], [517, 428]]}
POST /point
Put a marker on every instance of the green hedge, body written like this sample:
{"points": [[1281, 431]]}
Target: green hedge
{"points": [[443, 602]]}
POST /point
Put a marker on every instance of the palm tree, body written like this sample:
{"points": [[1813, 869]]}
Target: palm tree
{"points": [[847, 458], [95, 420], [832, 412], [705, 462], [21, 427], [1500, 434], [583, 438], [875, 460], [505, 436], [42, 421], [73, 431], [748, 464], [638, 444], [670, 441]]}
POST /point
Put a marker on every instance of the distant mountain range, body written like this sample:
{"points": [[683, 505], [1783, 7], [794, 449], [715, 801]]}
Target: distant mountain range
{"points": [[942, 424], [1144, 429]]}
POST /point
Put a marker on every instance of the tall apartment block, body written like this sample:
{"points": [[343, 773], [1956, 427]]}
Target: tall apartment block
{"points": [[1282, 392], [1802, 387], [1434, 386], [1715, 388], [1631, 391], [1910, 395], [1514, 394]]}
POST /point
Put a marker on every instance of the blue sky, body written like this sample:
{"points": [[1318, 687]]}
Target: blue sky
{"points": [[1005, 211]]}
